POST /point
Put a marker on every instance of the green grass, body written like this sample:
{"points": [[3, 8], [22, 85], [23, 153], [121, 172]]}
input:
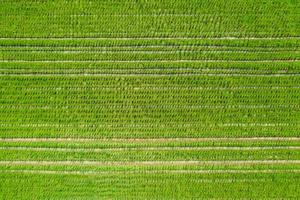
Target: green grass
{"points": [[149, 99], [149, 186], [139, 18]]}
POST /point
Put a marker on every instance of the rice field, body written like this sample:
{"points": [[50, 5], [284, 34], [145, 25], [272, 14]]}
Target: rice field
{"points": [[149, 99]]}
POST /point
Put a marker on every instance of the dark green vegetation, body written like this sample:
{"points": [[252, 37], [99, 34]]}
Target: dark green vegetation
{"points": [[150, 99]]}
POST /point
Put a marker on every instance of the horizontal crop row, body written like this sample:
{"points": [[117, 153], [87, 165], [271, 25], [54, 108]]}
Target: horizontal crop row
{"points": [[55, 154], [153, 43], [144, 56], [178, 18], [159, 67], [90, 143]]}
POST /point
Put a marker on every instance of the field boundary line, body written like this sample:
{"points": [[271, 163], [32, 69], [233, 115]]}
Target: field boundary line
{"points": [[198, 51], [167, 46], [151, 38], [166, 106], [149, 172], [145, 52], [148, 61], [146, 69], [153, 139], [146, 74], [153, 87], [148, 163], [208, 148], [170, 124]]}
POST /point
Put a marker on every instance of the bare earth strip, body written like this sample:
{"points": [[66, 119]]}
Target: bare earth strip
{"points": [[150, 125], [149, 70], [130, 48], [151, 172], [146, 52], [150, 139], [152, 75], [150, 61], [150, 148], [149, 163], [23, 71], [149, 38], [76, 88], [144, 106]]}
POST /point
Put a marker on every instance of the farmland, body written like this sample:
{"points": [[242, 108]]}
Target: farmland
{"points": [[149, 99]]}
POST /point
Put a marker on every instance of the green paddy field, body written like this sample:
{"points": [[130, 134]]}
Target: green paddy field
{"points": [[149, 99]]}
